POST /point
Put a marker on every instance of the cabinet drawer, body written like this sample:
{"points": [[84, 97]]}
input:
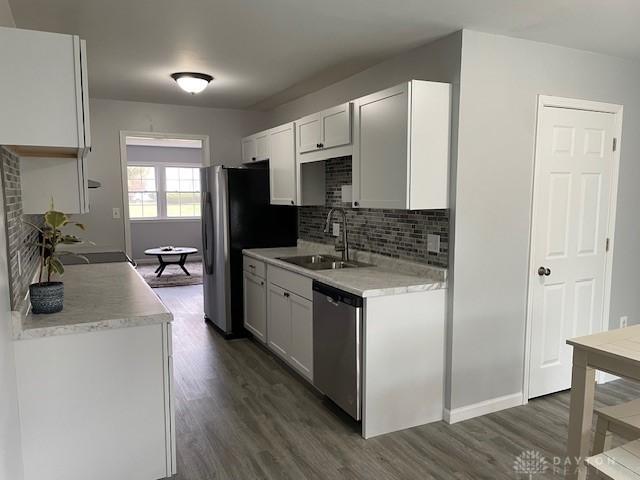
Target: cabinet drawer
{"points": [[251, 265], [293, 282]]}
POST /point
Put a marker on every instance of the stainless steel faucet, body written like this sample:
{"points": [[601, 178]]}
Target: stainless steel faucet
{"points": [[344, 248]]}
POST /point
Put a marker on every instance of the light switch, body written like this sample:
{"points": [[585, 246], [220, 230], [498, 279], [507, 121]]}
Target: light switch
{"points": [[433, 243], [336, 229], [116, 212]]}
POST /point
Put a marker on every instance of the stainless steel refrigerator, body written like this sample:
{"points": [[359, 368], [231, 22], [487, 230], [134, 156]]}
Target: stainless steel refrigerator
{"points": [[236, 214]]}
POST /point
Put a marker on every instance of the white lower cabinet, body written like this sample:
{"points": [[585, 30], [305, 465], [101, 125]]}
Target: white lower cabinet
{"points": [[97, 405], [279, 321], [281, 316], [290, 329], [301, 349], [255, 306]]}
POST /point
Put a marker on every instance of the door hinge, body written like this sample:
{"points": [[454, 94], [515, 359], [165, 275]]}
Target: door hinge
{"points": [[615, 144], [606, 247]]}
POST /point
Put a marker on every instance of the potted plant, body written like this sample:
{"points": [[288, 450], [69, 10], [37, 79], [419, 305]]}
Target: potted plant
{"points": [[48, 296]]}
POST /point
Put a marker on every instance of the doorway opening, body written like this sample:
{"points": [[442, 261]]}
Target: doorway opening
{"points": [[161, 199]]}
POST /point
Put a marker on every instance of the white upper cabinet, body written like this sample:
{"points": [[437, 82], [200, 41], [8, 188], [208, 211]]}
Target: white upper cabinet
{"points": [[401, 147], [43, 93], [262, 146], [292, 183], [255, 148], [326, 134], [336, 126], [282, 165], [249, 151], [309, 133]]}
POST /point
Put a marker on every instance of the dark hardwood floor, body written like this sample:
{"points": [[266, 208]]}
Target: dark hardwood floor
{"points": [[242, 415]]}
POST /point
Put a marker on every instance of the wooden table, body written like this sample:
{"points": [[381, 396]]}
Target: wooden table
{"points": [[181, 252], [616, 352]]}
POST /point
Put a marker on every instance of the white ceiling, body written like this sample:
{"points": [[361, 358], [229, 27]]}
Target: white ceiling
{"points": [[258, 48]]}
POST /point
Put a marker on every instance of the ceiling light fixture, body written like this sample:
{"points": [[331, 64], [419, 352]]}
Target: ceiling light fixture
{"points": [[192, 82]]}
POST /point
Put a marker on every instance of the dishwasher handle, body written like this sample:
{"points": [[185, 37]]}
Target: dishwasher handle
{"points": [[336, 296]]}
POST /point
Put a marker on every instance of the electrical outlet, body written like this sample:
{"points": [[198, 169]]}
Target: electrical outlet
{"points": [[433, 243], [116, 212], [336, 229], [624, 321]]}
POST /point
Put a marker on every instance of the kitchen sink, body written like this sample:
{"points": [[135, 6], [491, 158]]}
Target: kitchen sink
{"points": [[323, 262]]}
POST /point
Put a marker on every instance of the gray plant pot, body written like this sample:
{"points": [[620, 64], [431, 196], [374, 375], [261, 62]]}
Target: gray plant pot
{"points": [[46, 297]]}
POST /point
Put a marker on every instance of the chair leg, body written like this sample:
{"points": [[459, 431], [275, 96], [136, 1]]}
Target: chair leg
{"points": [[602, 437]]}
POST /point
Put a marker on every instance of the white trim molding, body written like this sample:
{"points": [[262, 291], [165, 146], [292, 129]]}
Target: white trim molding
{"points": [[588, 105], [483, 408]]}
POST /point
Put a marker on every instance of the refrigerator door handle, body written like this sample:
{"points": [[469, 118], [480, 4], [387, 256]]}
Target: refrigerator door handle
{"points": [[207, 234]]}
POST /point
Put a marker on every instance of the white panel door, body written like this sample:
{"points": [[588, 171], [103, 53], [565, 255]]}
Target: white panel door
{"points": [[279, 320], [573, 176], [301, 350], [255, 306], [282, 166]]}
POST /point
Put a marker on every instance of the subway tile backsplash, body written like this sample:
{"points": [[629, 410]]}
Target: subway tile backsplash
{"points": [[395, 233], [20, 237]]}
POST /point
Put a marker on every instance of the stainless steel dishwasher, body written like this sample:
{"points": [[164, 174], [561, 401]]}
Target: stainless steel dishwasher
{"points": [[337, 347]]}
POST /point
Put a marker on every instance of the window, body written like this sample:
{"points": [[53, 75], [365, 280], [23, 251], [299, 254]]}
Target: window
{"points": [[143, 192], [158, 191], [182, 192]]}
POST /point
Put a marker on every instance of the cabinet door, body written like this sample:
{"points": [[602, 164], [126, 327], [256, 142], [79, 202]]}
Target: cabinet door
{"points": [[249, 151], [255, 306], [279, 321], [282, 166], [60, 179], [336, 126], [309, 133], [40, 89], [262, 145], [380, 154], [301, 349]]}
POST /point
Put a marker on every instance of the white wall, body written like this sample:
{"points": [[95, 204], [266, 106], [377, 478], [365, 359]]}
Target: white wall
{"points": [[10, 444], [109, 117], [438, 61], [500, 80], [183, 232]]}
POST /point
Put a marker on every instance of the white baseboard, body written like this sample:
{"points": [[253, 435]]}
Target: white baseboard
{"points": [[482, 408]]}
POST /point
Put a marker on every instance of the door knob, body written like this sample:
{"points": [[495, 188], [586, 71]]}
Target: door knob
{"points": [[544, 271]]}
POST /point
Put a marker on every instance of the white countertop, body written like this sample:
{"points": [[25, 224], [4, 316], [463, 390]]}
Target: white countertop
{"points": [[97, 297], [388, 277]]}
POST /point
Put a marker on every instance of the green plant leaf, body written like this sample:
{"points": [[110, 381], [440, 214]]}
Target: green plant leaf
{"points": [[69, 239], [80, 225], [55, 266], [55, 219]]}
